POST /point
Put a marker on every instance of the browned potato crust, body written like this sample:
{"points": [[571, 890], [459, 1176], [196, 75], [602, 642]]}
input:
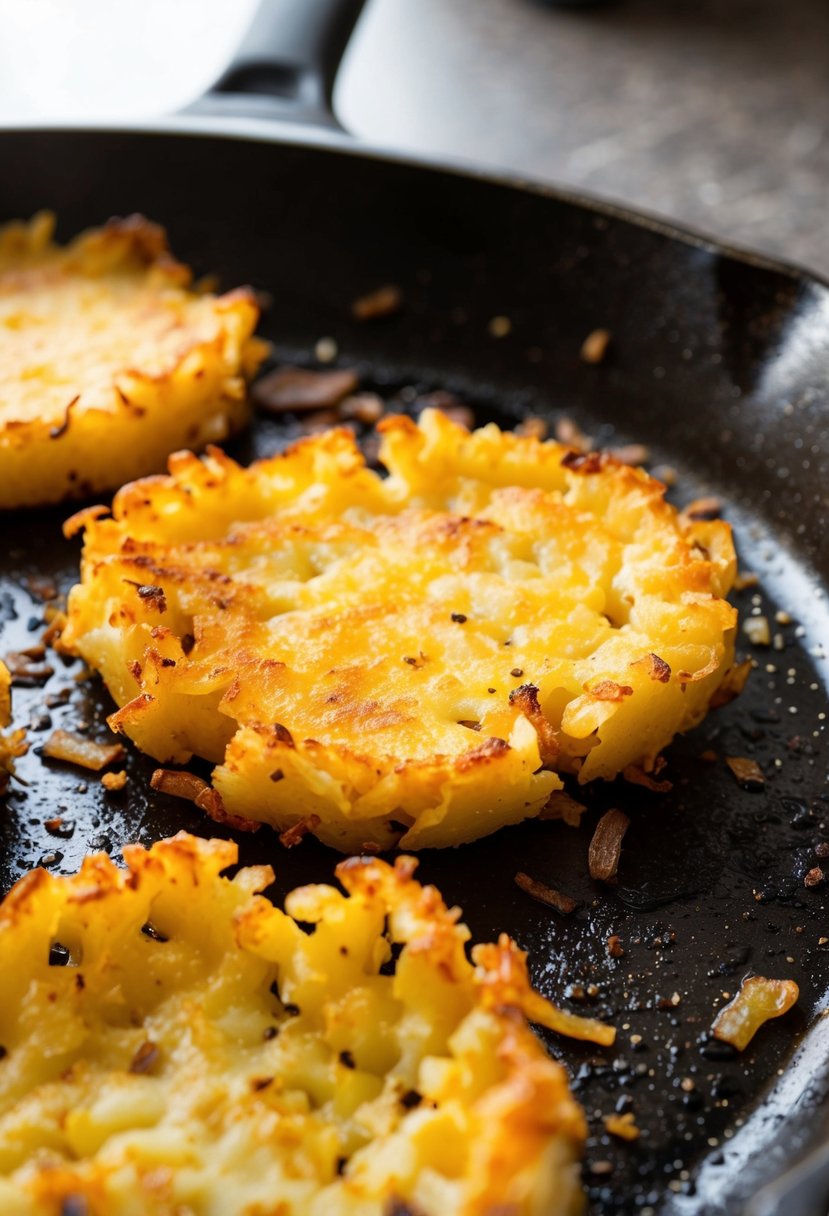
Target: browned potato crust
{"points": [[110, 360]]}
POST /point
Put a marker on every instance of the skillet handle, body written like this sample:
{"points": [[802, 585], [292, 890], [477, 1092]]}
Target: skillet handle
{"points": [[286, 65]]}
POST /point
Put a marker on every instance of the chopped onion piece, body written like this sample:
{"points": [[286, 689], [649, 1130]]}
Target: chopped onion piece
{"points": [[606, 846], [757, 1002], [86, 753]]}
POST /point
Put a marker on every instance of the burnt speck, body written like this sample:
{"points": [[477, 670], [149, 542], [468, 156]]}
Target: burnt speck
{"points": [[410, 1099], [65, 828], [347, 1059], [149, 930], [58, 955], [459, 618]]}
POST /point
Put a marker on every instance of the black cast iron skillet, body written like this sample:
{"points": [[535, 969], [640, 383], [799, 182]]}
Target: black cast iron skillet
{"points": [[719, 363]]}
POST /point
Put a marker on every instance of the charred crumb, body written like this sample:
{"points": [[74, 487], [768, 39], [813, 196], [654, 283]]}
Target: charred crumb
{"points": [[149, 930], [584, 462], [365, 408], [28, 670], [59, 956], [747, 772], [296, 833], [297, 390], [145, 1058], [595, 346], [374, 305], [545, 894], [606, 845], [58, 826], [347, 1059]]}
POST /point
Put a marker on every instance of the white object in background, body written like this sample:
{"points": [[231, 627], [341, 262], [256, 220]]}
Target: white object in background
{"points": [[76, 60]]}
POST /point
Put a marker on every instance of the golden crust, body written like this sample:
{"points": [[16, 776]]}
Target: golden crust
{"points": [[13, 744], [222, 1059], [415, 657], [109, 360]]}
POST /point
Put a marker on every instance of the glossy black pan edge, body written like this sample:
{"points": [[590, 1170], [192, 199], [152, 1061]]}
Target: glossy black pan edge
{"points": [[558, 267]]}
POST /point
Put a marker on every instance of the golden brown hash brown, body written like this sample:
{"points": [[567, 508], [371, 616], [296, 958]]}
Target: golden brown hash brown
{"points": [[109, 359], [200, 1051], [413, 659]]}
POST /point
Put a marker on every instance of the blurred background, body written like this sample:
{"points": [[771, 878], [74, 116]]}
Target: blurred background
{"points": [[712, 112]]}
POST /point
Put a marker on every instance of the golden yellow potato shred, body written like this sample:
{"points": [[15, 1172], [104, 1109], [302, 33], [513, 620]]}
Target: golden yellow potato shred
{"points": [[200, 1051], [410, 659], [109, 360]]}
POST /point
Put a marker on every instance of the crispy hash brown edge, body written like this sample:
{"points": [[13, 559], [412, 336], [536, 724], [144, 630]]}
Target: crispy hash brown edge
{"points": [[185, 983], [198, 398], [328, 784]]}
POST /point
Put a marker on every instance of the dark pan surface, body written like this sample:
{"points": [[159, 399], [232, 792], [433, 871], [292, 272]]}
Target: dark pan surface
{"points": [[719, 365]]}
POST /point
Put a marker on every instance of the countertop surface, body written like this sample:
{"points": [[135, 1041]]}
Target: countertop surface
{"points": [[713, 113]]}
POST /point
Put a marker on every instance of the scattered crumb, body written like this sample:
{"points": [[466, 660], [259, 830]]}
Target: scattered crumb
{"points": [[533, 427], [362, 407], [709, 507], [499, 327], [606, 845], [295, 389], [748, 772], [545, 895], [623, 1126], [383, 302], [634, 454], [569, 432], [75, 749], [757, 630], [114, 781], [594, 347], [294, 834]]}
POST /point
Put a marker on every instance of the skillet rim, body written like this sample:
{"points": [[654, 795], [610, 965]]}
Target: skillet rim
{"points": [[294, 134]]}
